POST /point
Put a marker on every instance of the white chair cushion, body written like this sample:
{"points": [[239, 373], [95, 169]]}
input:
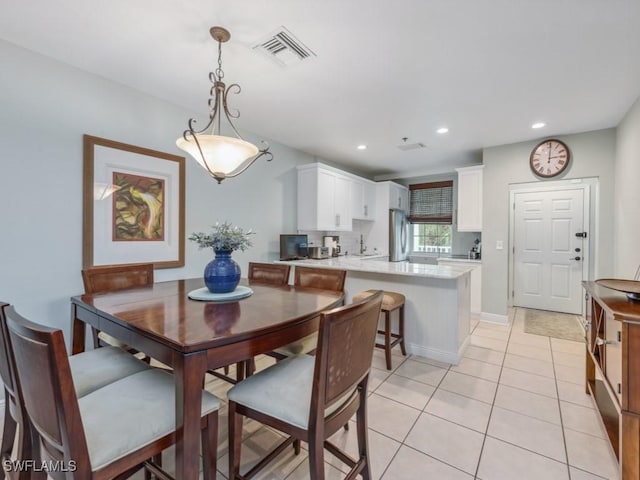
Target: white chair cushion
{"points": [[304, 345], [94, 369], [131, 413], [282, 391]]}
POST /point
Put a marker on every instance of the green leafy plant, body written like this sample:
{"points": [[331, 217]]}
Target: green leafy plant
{"points": [[224, 236]]}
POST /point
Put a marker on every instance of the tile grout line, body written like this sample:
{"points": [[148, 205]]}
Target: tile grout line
{"points": [[564, 437], [495, 395]]}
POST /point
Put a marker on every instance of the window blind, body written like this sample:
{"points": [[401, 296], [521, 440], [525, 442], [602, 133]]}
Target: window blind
{"points": [[431, 202]]}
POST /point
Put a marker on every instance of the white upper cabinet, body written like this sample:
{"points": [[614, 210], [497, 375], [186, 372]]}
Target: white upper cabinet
{"points": [[363, 199], [470, 199], [398, 196], [324, 199]]}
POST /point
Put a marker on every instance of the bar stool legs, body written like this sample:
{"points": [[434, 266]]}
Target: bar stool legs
{"points": [[398, 338], [391, 302]]}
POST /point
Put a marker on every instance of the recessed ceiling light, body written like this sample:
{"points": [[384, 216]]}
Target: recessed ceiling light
{"points": [[362, 147], [442, 130], [538, 125]]}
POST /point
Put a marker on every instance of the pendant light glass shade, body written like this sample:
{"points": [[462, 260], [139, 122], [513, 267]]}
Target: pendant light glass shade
{"points": [[221, 156]]}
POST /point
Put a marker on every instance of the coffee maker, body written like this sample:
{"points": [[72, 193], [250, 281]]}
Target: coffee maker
{"points": [[333, 242]]}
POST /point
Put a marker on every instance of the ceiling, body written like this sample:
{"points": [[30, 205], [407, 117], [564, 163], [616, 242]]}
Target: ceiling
{"points": [[382, 70]]}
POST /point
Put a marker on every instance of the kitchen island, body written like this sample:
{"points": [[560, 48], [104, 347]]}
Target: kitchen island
{"points": [[437, 308]]}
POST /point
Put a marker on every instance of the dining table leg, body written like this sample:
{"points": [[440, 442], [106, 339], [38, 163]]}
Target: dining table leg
{"points": [[79, 329], [189, 371]]}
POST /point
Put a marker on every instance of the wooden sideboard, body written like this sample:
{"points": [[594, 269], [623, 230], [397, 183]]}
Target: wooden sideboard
{"points": [[613, 371]]}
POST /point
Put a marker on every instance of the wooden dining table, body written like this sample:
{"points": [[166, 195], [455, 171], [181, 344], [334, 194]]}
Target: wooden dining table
{"points": [[194, 336]]}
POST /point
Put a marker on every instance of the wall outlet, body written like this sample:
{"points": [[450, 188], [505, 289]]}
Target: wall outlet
{"points": [[499, 245]]}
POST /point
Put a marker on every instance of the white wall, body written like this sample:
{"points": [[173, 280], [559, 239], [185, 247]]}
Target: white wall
{"points": [[45, 108], [627, 194], [593, 155]]}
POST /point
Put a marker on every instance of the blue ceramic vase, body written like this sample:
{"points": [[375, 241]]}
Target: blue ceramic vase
{"points": [[222, 274]]}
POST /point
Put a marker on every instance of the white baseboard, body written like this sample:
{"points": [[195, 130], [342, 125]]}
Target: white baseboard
{"points": [[494, 318], [435, 354]]}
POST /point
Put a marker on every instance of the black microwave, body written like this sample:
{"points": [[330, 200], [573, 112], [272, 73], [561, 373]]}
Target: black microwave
{"points": [[293, 247]]}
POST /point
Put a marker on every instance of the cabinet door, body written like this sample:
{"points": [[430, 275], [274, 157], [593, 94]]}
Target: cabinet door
{"points": [[369, 201], [398, 197], [363, 200], [470, 199], [357, 200], [327, 219], [342, 203]]}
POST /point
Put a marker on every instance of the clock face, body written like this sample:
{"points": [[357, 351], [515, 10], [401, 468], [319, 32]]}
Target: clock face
{"points": [[549, 158]]}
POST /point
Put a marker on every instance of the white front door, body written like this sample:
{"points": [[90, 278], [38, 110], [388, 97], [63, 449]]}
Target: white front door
{"points": [[548, 256]]}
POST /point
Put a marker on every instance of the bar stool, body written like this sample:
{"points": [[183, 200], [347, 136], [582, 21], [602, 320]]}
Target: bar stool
{"points": [[391, 301]]}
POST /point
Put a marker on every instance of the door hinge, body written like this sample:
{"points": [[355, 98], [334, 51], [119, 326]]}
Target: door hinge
{"points": [[619, 336], [620, 388], [512, 294]]}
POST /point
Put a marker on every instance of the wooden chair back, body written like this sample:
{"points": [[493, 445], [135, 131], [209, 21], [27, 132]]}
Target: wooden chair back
{"points": [[270, 273], [47, 391], [347, 337], [322, 278], [16, 441], [109, 278], [7, 365]]}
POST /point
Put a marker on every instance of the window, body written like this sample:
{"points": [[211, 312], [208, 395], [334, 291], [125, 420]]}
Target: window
{"points": [[431, 238], [431, 213]]}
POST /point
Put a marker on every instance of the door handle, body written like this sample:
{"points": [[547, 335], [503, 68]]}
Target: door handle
{"points": [[575, 258]]}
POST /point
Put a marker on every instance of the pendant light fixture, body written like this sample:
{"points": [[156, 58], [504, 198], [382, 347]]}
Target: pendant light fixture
{"points": [[221, 156]]}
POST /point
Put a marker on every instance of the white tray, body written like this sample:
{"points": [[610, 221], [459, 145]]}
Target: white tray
{"points": [[205, 295]]}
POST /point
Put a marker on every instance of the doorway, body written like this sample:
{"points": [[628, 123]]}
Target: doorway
{"points": [[550, 247]]}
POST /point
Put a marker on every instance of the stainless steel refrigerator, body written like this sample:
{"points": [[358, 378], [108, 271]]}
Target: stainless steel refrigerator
{"points": [[398, 235]]}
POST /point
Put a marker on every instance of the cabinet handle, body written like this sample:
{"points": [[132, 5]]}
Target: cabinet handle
{"points": [[399, 202], [366, 210]]}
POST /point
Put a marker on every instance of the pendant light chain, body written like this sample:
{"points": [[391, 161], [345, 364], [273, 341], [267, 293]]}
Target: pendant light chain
{"points": [[219, 72]]}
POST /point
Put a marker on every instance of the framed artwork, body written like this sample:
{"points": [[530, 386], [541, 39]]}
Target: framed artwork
{"points": [[133, 205]]}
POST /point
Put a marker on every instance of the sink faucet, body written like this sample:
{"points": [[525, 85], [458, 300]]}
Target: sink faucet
{"points": [[362, 247]]}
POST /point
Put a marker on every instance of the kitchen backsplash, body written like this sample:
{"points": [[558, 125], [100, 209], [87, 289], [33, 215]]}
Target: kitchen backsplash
{"points": [[350, 241]]}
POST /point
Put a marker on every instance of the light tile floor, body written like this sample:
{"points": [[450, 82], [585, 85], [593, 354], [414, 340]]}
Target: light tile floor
{"points": [[513, 408]]}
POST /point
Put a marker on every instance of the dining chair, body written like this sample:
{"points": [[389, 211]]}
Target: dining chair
{"points": [[90, 371], [311, 277], [110, 278], [267, 274], [310, 398], [109, 433]]}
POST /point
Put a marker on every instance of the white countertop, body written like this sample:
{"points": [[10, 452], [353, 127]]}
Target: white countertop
{"points": [[460, 260], [379, 264]]}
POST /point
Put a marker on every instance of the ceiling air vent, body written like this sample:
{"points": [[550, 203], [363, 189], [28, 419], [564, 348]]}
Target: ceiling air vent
{"points": [[283, 48], [411, 146]]}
